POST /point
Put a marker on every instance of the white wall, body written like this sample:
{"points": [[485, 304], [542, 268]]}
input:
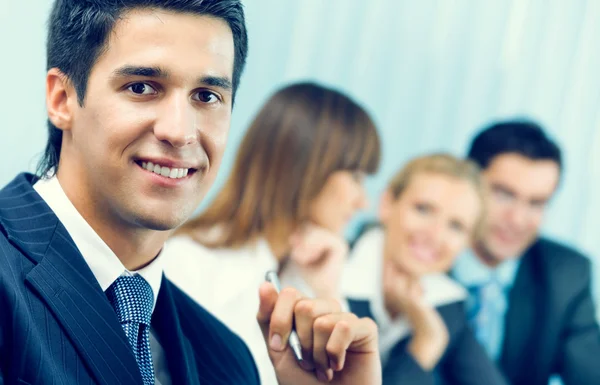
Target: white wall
{"points": [[22, 71]]}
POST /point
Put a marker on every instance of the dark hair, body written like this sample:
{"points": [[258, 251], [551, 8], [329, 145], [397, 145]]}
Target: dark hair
{"points": [[525, 138], [78, 33]]}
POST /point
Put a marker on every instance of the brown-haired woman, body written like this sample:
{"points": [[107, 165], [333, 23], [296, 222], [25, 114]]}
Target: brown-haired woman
{"points": [[296, 182], [397, 274]]}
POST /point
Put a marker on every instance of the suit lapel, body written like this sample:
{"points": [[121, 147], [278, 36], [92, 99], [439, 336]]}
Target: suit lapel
{"points": [[521, 322], [178, 350], [362, 308], [66, 285]]}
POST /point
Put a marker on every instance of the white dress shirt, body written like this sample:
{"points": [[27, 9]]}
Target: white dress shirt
{"points": [[226, 282], [362, 280], [103, 262]]}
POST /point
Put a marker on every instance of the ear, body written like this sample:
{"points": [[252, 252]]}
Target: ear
{"points": [[61, 99], [385, 206]]}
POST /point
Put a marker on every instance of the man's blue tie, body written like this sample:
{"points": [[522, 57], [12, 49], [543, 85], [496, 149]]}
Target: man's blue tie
{"points": [[132, 299], [487, 305]]}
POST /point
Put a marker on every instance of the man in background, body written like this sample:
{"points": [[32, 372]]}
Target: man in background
{"points": [[530, 297]]}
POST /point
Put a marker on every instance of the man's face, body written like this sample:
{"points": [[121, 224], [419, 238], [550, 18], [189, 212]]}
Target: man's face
{"points": [[147, 144], [519, 189]]}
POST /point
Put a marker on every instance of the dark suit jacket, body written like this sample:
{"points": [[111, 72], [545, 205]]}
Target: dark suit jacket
{"points": [[551, 320], [57, 326], [464, 362]]}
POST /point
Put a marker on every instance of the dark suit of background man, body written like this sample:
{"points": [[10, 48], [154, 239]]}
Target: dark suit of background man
{"points": [[530, 297], [139, 96]]}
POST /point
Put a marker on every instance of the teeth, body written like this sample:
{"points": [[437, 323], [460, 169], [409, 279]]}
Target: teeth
{"points": [[173, 173]]}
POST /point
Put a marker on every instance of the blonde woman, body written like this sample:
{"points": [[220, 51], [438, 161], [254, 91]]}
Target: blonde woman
{"points": [[296, 182], [397, 274]]}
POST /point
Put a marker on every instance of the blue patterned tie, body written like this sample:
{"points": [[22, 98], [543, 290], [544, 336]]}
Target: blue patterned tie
{"points": [[487, 304], [132, 299]]}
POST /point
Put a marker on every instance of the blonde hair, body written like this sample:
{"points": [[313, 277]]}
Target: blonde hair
{"points": [[303, 134], [441, 164]]}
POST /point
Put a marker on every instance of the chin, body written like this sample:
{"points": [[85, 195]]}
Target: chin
{"points": [[160, 223], [502, 253]]}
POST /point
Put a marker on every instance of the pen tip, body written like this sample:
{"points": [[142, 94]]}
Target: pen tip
{"points": [[297, 352]]}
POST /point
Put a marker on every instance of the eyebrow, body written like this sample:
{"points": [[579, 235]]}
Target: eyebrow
{"points": [[216, 81], [539, 200], [148, 72], [158, 72], [532, 200], [504, 189]]}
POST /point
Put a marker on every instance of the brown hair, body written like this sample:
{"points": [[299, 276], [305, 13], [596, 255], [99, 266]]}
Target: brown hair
{"points": [[441, 164], [303, 134]]}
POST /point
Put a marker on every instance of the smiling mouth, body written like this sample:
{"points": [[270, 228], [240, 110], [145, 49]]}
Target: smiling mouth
{"points": [[167, 172], [507, 237], [423, 253]]}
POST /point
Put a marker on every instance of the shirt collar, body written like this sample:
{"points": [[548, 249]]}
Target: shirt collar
{"points": [[471, 271], [103, 262]]}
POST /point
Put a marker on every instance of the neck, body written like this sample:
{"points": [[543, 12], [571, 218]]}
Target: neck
{"points": [[135, 247], [485, 256]]}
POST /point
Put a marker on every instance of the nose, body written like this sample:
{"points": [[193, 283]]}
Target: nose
{"points": [[517, 216], [436, 231], [177, 123]]}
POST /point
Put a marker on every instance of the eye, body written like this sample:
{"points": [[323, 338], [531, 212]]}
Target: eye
{"points": [[142, 89], [538, 205], [457, 226], [423, 208], [207, 97], [503, 195]]}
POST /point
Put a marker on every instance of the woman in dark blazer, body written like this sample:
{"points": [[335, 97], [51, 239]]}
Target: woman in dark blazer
{"points": [[397, 275]]}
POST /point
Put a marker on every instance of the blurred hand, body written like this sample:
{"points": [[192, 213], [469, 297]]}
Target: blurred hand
{"points": [[319, 255], [404, 295], [337, 348]]}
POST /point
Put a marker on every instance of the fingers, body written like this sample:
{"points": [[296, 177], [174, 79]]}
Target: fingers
{"points": [[327, 336], [400, 285], [394, 283], [323, 328], [281, 316], [312, 243], [415, 289], [282, 319], [337, 334], [268, 297], [306, 250], [306, 312]]}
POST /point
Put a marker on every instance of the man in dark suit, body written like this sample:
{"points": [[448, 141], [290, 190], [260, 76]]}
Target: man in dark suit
{"points": [[530, 299], [139, 99]]}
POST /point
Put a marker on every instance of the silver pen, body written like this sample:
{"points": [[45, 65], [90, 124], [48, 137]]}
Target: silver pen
{"points": [[294, 341]]}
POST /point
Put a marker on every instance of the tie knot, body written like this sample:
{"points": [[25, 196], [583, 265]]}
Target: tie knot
{"points": [[132, 298]]}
